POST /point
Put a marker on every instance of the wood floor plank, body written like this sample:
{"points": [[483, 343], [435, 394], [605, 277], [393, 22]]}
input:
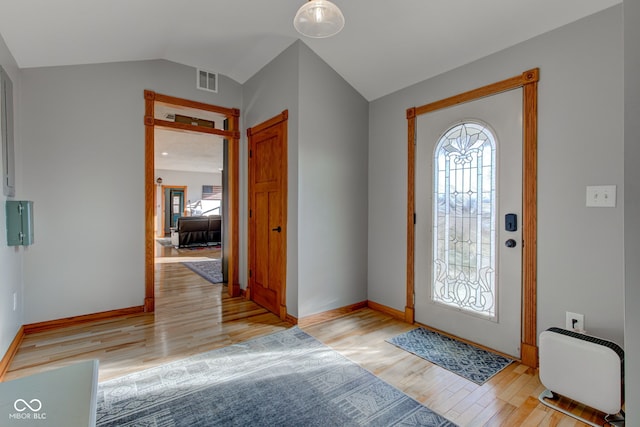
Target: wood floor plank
{"points": [[522, 413], [466, 417], [194, 316]]}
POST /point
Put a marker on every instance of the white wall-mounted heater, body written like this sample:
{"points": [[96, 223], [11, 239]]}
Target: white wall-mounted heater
{"points": [[583, 368]]}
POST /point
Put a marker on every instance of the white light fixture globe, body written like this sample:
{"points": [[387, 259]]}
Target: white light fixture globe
{"points": [[318, 19]]}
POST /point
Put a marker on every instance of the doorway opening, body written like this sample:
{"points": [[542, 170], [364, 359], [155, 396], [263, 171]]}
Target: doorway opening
{"points": [[170, 115], [172, 206]]}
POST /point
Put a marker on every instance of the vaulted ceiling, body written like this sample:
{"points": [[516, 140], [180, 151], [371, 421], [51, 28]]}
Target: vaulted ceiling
{"points": [[385, 45]]}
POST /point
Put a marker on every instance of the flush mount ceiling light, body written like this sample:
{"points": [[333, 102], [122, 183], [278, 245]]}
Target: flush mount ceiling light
{"points": [[318, 19]]}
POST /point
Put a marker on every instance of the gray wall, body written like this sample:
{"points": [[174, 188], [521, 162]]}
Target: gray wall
{"points": [[332, 189], [85, 155], [327, 215], [193, 180], [632, 209], [83, 158], [580, 250], [10, 257]]}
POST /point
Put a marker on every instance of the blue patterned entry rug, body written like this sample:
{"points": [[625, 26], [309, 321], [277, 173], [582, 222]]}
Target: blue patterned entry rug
{"points": [[210, 270], [283, 379], [466, 360]]}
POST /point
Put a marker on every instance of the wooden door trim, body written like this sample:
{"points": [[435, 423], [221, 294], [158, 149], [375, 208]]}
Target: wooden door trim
{"points": [[163, 188], [233, 136], [528, 81], [274, 121]]}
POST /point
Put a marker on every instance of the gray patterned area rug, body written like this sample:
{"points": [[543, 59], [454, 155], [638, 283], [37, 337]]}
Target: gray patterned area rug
{"points": [[466, 360], [283, 379], [210, 270]]}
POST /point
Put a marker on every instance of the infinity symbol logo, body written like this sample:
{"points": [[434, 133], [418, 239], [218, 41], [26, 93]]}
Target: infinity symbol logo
{"points": [[21, 403]]}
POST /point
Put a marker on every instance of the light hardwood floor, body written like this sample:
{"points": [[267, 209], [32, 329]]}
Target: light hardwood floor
{"points": [[193, 316]]}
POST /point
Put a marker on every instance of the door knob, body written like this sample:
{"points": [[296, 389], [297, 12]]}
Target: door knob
{"points": [[510, 243], [278, 229]]}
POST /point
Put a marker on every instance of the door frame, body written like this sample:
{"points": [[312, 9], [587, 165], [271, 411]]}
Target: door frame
{"points": [[280, 119], [528, 81], [164, 213], [232, 116]]}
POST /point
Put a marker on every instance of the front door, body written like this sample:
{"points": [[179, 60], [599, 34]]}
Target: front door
{"points": [[268, 214], [468, 248]]}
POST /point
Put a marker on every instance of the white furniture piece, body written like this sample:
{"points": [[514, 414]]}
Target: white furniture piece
{"points": [[583, 368], [175, 237], [60, 397]]}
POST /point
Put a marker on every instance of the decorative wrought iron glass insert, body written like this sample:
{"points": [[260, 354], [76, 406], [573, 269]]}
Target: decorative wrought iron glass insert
{"points": [[464, 217]]}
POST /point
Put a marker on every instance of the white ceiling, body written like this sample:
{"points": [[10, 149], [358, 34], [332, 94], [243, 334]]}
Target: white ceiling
{"points": [[187, 151], [385, 45], [193, 152]]}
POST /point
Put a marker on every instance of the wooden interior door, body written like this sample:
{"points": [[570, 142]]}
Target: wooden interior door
{"points": [[268, 214]]}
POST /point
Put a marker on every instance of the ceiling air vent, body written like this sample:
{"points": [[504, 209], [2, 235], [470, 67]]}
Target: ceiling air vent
{"points": [[206, 80]]}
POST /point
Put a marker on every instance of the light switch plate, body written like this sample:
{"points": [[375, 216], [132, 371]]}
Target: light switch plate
{"points": [[601, 196]]}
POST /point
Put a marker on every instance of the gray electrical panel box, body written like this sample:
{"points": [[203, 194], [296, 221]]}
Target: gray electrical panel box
{"points": [[19, 222]]}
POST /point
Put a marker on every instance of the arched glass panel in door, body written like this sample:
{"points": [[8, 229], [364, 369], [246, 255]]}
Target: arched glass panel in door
{"points": [[464, 219]]}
